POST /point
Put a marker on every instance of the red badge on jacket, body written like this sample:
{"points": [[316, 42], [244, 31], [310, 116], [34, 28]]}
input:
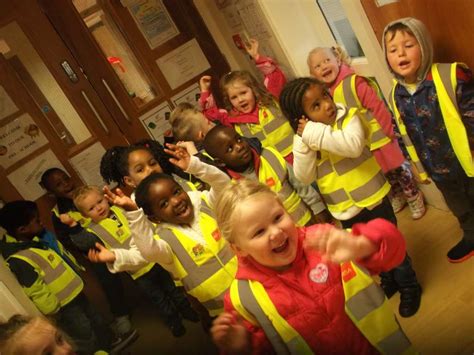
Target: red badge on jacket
{"points": [[270, 182], [347, 271], [216, 235]]}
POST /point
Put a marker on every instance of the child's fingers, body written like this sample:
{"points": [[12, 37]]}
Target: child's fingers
{"points": [[100, 247]]}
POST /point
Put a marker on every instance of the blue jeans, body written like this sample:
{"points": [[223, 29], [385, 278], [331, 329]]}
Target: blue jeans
{"points": [[168, 299], [84, 325], [403, 274]]}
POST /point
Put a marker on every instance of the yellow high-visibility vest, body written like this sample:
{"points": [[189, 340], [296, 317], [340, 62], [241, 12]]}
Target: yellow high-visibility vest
{"points": [[273, 130], [345, 182], [445, 82], [365, 304], [346, 94], [206, 271]]}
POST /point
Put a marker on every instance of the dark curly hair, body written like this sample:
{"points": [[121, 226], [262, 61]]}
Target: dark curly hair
{"points": [[17, 214], [291, 98], [142, 195], [44, 178]]}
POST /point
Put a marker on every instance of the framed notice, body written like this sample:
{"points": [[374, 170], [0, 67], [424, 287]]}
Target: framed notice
{"points": [[87, 164], [26, 178], [153, 21], [156, 121], [183, 63], [18, 139], [190, 94]]}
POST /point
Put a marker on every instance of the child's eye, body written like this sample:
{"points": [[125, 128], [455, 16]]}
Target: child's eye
{"points": [[177, 191], [163, 204], [278, 217], [229, 149], [258, 233], [239, 139], [153, 162]]}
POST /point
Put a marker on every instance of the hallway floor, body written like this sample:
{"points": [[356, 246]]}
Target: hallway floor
{"points": [[443, 325]]}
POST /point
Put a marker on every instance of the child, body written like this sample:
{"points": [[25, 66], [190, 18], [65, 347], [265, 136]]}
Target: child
{"points": [[331, 66], [48, 279], [33, 335], [332, 150], [185, 241], [251, 109], [434, 110], [304, 289], [61, 186], [111, 226], [266, 165]]}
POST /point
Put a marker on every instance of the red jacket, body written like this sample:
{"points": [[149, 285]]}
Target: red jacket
{"points": [[316, 310]]}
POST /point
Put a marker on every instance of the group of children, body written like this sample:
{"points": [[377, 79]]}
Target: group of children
{"points": [[284, 163]]}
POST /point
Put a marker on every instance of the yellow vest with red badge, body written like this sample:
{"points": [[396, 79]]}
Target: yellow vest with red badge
{"points": [[445, 82], [365, 304], [273, 130], [206, 271]]}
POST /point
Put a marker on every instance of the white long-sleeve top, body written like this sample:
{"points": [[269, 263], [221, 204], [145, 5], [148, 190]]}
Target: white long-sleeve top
{"points": [[348, 142], [145, 246]]}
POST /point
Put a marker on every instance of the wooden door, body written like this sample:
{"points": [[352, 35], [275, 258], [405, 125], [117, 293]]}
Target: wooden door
{"points": [[449, 23]]}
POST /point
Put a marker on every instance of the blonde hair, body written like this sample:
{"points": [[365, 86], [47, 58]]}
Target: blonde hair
{"points": [[339, 52], [184, 122], [229, 200], [262, 95], [82, 192]]}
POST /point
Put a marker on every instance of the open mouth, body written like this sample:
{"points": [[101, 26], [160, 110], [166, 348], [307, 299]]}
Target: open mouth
{"points": [[403, 64], [282, 247]]}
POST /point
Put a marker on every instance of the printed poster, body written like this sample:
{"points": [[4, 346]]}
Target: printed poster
{"points": [[190, 94], [87, 164], [156, 121]]}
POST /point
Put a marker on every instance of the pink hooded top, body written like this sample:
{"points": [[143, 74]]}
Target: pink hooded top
{"points": [[390, 155]]}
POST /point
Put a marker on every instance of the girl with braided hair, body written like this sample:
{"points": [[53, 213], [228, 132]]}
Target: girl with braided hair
{"points": [[331, 148]]}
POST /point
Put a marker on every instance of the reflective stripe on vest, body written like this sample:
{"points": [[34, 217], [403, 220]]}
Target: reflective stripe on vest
{"points": [[108, 232], [346, 94], [75, 215], [273, 130], [273, 172], [365, 304], [345, 182], [207, 273], [252, 301], [445, 81], [61, 279]]}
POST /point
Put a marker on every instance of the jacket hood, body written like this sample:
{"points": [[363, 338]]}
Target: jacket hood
{"points": [[424, 39]]}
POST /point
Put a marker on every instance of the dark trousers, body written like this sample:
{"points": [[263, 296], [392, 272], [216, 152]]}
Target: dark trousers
{"points": [[403, 274], [84, 325], [459, 196], [113, 289], [168, 299]]}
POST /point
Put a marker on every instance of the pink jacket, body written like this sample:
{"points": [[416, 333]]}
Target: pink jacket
{"points": [[316, 309], [389, 156]]}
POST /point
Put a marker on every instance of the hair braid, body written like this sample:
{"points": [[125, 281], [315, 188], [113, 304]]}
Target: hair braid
{"points": [[110, 165]]}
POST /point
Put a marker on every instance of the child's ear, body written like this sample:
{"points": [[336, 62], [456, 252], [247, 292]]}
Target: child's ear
{"points": [[154, 219], [129, 182], [236, 249]]}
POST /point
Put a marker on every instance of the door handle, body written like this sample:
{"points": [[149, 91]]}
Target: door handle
{"points": [[86, 98], [115, 99]]}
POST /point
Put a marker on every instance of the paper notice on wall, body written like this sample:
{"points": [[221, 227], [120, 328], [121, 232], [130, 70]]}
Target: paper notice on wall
{"points": [[253, 19], [18, 139], [190, 95], [156, 121], [183, 63], [26, 178], [87, 164], [7, 106]]}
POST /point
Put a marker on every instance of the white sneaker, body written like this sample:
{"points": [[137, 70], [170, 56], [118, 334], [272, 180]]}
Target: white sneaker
{"points": [[417, 206], [398, 203]]}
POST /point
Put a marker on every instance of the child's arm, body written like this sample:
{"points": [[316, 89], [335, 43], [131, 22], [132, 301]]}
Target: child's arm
{"points": [[304, 162], [348, 142], [80, 237], [274, 78], [378, 245], [465, 99], [208, 103]]}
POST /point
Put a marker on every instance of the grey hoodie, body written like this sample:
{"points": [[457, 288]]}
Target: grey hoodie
{"points": [[424, 39]]}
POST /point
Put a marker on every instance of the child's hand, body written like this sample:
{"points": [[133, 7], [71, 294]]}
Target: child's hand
{"points": [[101, 254], [181, 157], [120, 199], [67, 220], [252, 48], [301, 125], [337, 245], [189, 146], [229, 334], [205, 83]]}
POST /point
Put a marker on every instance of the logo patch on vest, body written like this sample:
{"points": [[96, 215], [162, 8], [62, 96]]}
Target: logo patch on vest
{"points": [[51, 257], [319, 273], [120, 232], [347, 272], [216, 235], [198, 249], [270, 182]]}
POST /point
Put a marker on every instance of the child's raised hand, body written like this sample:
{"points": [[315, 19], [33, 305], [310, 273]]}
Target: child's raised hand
{"points": [[189, 146], [67, 220], [301, 125], [205, 83], [120, 199], [337, 245], [181, 157], [229, 334], [100, 254], [252, 48]]}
